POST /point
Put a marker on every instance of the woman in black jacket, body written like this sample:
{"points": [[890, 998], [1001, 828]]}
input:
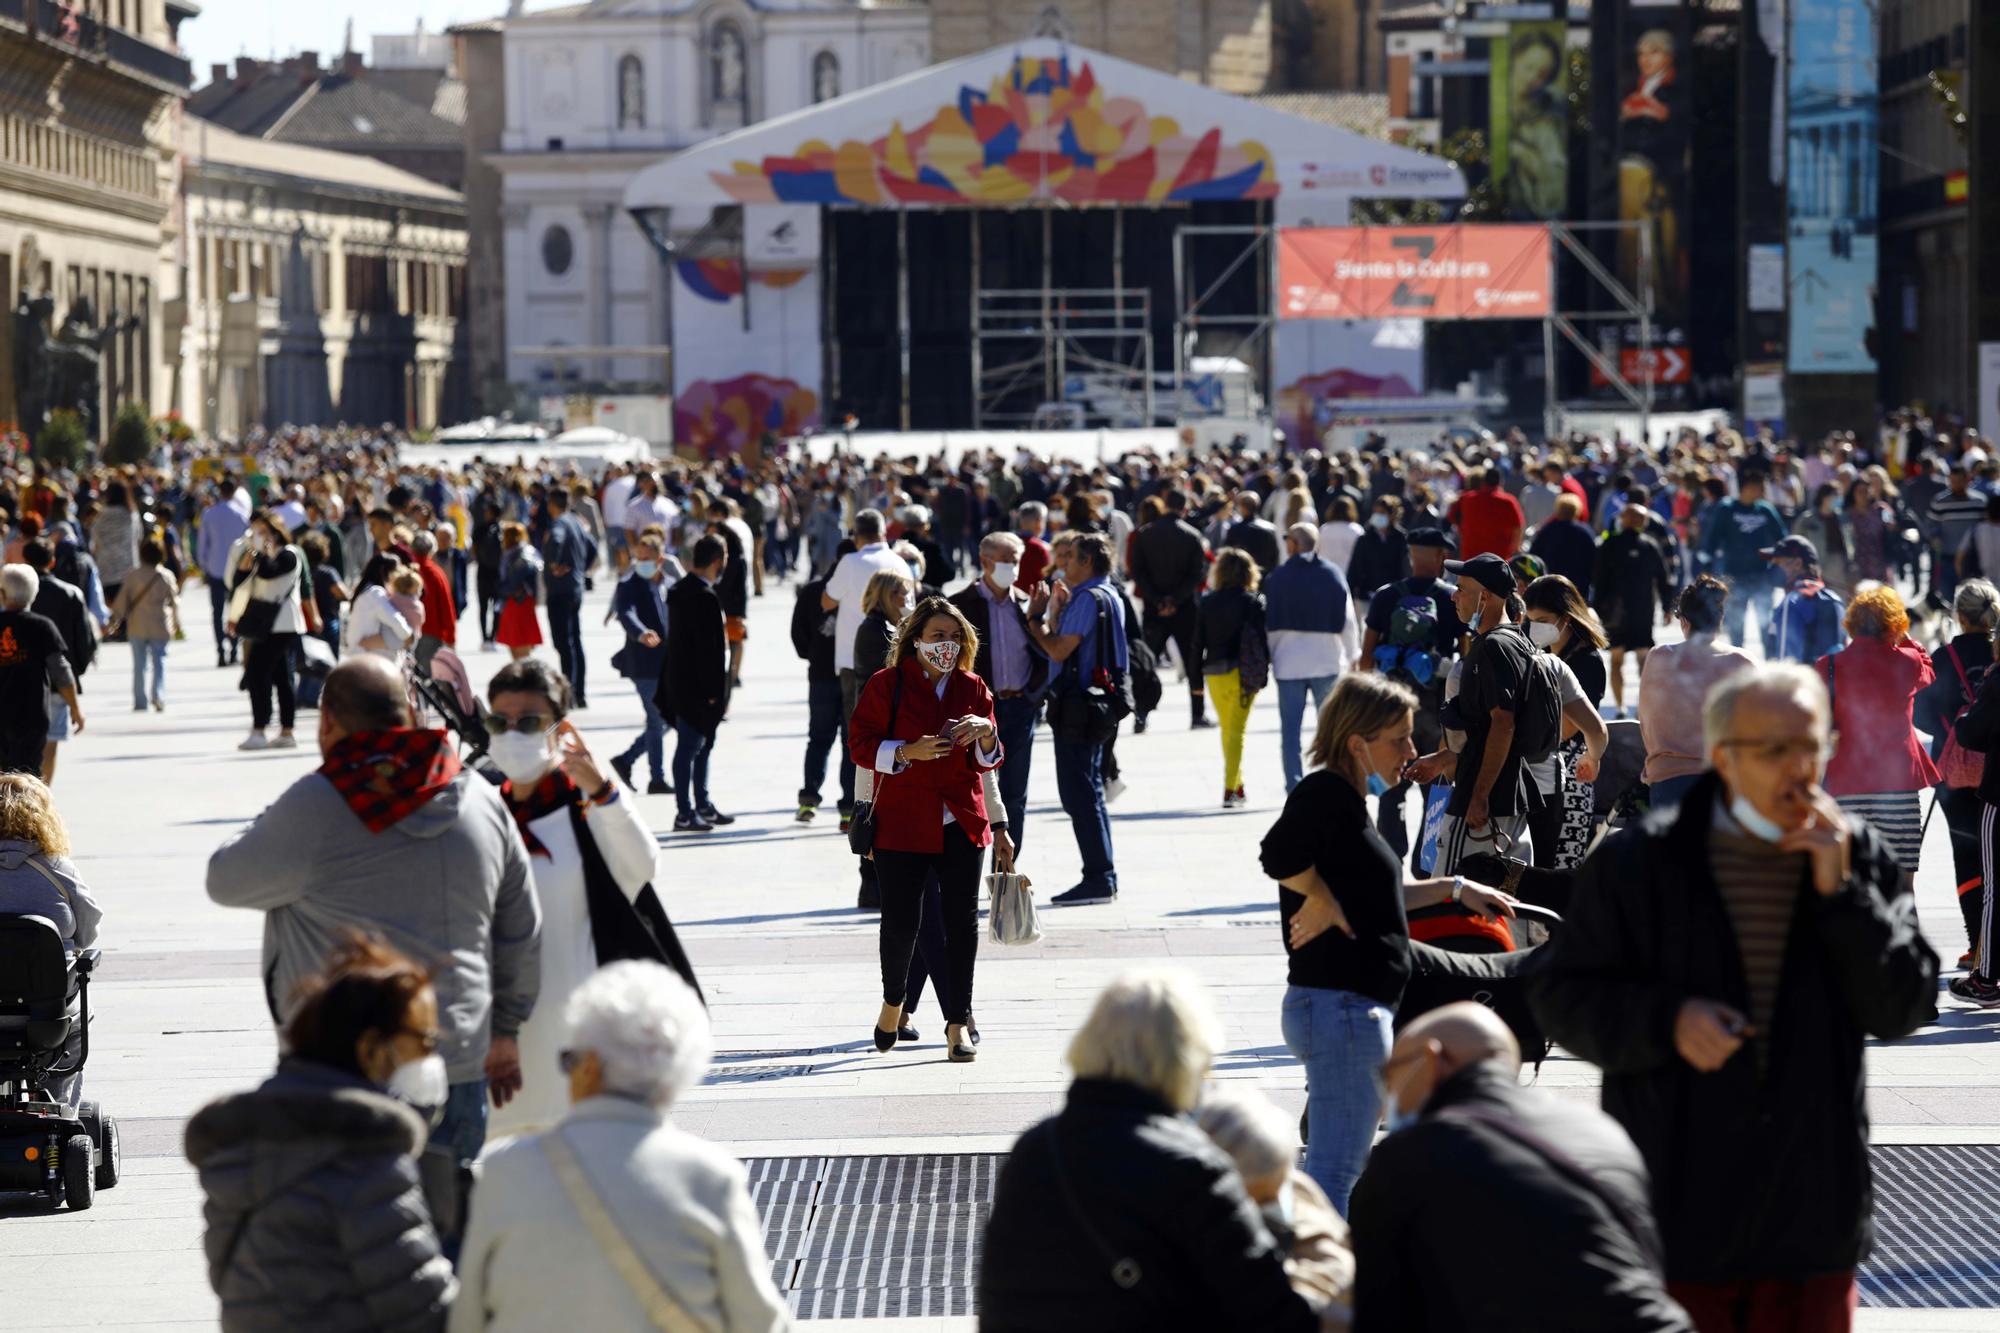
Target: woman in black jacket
{"points": [[1119, 1215], [694, 687], [1960, 667], [1229, 624], [1565, 544], [1381, 553], [1558, 622]]}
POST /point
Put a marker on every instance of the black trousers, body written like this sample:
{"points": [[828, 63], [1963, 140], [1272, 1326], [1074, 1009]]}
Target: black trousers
{"points": [[1180, 628], [902, 876], [21, 752], [269, 666]]}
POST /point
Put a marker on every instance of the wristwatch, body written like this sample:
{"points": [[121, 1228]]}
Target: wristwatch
{"points": [[1457, 888]]}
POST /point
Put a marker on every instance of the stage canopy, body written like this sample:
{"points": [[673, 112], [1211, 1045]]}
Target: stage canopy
{"points": [[1039, 121]]}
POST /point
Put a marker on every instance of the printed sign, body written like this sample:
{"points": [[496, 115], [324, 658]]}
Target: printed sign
{"points": [[1463, 271]]}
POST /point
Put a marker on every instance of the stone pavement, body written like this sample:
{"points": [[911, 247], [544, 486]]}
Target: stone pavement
{"points": [[766, 910]]}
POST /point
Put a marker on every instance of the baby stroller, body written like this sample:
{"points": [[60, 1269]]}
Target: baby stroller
{"points": [[441, 688], [47, 1146]]}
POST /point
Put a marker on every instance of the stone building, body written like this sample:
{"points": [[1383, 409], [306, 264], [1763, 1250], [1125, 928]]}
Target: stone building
{"points": [[324, 287], [90, 111], [1226, 44]]}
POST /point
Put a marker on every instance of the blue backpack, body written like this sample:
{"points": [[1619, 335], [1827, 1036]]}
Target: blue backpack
{"points": [[1408, 652]]}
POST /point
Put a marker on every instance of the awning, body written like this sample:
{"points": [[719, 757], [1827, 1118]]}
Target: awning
{"points": [[1038, 121]]}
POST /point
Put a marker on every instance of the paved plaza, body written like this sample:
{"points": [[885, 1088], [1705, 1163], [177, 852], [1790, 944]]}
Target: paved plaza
{"points": [[870, 1168]]}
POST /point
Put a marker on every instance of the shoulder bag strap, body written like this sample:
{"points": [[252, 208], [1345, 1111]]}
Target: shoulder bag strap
{"points": [[662, 1310], [35, 863], [1964, 681], [1126, 1274]]}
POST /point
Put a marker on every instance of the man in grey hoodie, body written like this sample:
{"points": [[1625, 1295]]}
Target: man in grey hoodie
{"points": [[391, 835]]}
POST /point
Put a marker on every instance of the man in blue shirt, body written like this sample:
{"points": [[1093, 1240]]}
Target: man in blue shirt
{"points": [[1087, 610], [1734, 535], [223, 524], [567, 552]]}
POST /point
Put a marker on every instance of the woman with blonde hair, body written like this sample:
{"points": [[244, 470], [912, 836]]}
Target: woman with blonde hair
{"points": [[1349, 947], [38, 879], [1879, 769], [1229, 629]]}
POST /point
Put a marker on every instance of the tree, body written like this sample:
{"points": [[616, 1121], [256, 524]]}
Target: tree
{"points": [[62, 440], [133, 436]]}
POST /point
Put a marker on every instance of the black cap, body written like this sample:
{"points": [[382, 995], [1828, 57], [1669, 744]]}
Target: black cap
{"points": [[1486, 569], [1793, 547], [1431, 537]]}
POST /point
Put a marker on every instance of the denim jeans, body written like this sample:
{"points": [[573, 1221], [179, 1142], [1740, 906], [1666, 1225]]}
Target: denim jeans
{"points": [[825, 724], [1291, 712], [691, 747], [566, 629], [1080, 783], [1745, 592], [1342, 1039], [458, 1137], [1016, 719], [145, 652], [462, 1130], [218, 602], [653, 739]]}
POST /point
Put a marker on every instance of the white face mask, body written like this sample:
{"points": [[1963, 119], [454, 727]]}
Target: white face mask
{"points": [[1003, 574], [1543, 634], [939, 656], [525, 760], [422, 1085], [1754, 821], [1379, 522]]}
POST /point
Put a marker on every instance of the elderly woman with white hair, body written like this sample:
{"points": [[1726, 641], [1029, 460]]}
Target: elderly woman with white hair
{"points": [[1263, 1141], [614, 1218], [1120, 1214]]}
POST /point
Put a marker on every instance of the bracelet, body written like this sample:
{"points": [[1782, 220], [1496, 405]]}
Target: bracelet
{"points": [[606, 794], [1457, 888]]}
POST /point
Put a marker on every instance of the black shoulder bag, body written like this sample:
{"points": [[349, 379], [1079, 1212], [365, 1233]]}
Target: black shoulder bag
{"points": [[622, 927], [1087, 713], [861, 826]]}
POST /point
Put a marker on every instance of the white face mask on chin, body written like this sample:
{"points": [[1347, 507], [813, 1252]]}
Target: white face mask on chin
{"points": [[525, 760]]}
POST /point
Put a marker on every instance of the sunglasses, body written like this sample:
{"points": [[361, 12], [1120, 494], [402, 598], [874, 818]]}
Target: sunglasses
{"points": [[528, 724]]}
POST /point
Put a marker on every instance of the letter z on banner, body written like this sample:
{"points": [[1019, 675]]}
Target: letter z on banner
{"points": [[1460, 271]]}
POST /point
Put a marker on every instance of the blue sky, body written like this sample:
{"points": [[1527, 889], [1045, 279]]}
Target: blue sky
{"points": [[230, 28]]}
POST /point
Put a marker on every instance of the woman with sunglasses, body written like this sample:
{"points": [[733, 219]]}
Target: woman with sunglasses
{"points": [[592, 857]]}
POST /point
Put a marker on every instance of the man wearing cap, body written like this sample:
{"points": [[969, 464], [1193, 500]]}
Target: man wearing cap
{"points": [[1733, 539], [1953, 515], [1411, 632], [1807, 624], [1490, 793]]}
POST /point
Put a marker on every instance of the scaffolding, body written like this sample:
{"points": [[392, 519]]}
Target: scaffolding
{"points": [[1192, 299], [1091, 347]]}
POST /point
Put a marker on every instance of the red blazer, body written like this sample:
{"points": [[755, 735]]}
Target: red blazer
{"points": [[910, 806], [440, 615], [1874, 687]]}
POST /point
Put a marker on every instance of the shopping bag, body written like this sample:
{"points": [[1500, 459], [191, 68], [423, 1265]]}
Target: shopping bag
{"points": [[1011, 914], [1427, 845]]}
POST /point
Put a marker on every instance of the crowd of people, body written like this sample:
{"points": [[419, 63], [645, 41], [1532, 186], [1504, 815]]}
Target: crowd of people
{"points": [[1731, 821]]}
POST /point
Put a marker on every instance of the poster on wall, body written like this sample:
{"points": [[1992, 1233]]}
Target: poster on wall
{"points": [[1989, 390], [1830, 137], [1323, 362], [737, 378], [1654, 115], [1528, 120]]}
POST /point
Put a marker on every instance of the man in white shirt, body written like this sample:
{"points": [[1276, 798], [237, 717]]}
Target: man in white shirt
{"points": [[616, 501], [844, 587], [648, 507]]}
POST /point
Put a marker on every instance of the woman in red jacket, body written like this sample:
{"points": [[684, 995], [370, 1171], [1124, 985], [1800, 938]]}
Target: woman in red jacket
{"points": [[1880, 769], [924, 724]]}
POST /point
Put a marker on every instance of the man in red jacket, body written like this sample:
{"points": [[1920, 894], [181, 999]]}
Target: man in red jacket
{"points": [[1488, 519], [440, 611]]}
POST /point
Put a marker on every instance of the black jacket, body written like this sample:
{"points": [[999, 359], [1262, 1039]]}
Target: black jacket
{"points": [[1760, 1170], [1937, 703], [1553, 1254], [1153, 1190], [1379, 558], [1568, 548], [1631, 573], [695, 682], [873, 638], [1256, 539], [1219, 632], [812, 632], [972, 602], [1169, 563], [1979, 731], [65, 608]]}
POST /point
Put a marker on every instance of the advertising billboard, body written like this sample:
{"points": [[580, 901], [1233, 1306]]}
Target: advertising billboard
{"points": [[1830, 139], [1459, 271], [1528, 120], [1644, 60]]}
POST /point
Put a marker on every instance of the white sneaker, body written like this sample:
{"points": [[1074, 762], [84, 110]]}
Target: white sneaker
{"points": [[285, 740], [1113, 790], [256, 740]]}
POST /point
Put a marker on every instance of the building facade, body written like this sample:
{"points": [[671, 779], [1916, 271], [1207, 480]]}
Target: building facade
{"points": [[595, 93], [1226, 44], [90, 112], [323, 287]]}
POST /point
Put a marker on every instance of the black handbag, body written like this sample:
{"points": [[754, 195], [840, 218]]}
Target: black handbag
{"points": [[861, 824], [1086, 713], [259, 618]]}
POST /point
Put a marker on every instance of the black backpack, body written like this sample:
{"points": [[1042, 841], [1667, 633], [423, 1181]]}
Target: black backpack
{"points": [[1538, 716]]}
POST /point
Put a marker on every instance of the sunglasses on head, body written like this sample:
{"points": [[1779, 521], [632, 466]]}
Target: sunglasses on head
{"points": [[528, 724]]}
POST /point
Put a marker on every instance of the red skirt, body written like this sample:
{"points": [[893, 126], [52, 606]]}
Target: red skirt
{"points": [[519, 627]]}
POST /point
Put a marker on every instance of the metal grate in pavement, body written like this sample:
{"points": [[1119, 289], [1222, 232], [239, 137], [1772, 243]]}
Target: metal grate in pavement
{"points": [[898, 1237]]}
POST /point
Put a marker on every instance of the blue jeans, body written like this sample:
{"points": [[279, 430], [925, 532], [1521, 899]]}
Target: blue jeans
{"points": [[218, 602], [1342, 1039], [653, 739], [1291, 712], [1080, 783], [691, 747], [462, 1130], [1017, 719], [1745, 591], [826, 723], [145, 652], [566, 629]]}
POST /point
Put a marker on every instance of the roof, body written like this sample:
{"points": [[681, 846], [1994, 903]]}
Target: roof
{"points": [[358, 115], [435, 88], [1365, 114], [252, 107], [1040, 120], [211, 145]]}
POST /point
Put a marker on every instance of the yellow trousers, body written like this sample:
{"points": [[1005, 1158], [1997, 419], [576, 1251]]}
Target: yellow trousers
{"points": [[1232, 713]]}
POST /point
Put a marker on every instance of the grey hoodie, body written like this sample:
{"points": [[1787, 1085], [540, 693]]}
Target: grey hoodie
{"points": [[26, 891], [449, 885]]}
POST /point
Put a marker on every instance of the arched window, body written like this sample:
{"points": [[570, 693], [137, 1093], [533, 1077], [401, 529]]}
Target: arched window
{"points": [[631, 93], [826, 76], [728, 68]]}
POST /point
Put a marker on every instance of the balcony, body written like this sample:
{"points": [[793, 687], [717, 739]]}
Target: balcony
{"points": [[48, 152], [48, 22]]}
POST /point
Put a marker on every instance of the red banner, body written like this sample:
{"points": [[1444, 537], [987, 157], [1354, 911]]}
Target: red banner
{"points": [[1460, 271]]}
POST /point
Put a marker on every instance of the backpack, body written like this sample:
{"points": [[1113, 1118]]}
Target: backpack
{"points": [[1958, 766], [1408, 652], [1538, 715]]}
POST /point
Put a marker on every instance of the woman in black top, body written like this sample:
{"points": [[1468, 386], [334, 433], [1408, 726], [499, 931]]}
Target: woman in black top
{"points": [[1381, 554], [1961, 666], [1349, 948], [1229, 623], [1560, 622]]}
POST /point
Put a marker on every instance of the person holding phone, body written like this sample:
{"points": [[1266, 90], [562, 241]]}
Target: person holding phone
{"points": [[1725, 967], [924, 725]]}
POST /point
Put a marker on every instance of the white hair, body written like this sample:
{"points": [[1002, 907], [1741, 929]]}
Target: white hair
{"points": [[1978, 605], [916, 516], [1795, 680], [868, 526], [647, 1027], [1259, 1138], [911, 557], [1001, 544], [1153, 1028], [18, 585], [1306, 535], [424, 543]]}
